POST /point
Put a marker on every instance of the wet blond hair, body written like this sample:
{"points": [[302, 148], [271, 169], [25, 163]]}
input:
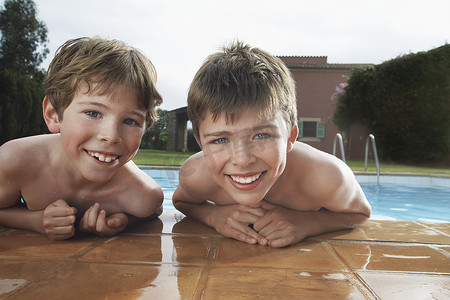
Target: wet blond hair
{"points": [[103, 65], [241, 77]]}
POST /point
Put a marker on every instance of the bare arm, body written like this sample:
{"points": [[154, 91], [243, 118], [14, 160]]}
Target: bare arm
{"points": [[20, 217], [283, 227]]}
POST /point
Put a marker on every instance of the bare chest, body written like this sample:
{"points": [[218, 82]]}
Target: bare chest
{"points": [[38, 194]]}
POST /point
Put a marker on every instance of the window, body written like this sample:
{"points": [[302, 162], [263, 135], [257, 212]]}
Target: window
{"points": [[311, 128]]}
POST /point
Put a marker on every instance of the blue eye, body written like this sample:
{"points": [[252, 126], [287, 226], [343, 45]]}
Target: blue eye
{"points": [[262, 136], [220, 141]]}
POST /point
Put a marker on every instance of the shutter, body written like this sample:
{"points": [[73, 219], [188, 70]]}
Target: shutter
{"points": [[320, 130], [300, 128]]}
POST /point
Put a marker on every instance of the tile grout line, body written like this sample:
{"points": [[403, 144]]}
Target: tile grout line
{"points": [[379, 242], [431, 228], [361, 285]]}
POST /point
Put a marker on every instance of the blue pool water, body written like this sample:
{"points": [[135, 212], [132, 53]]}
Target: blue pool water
{"points": [[396, 198]]}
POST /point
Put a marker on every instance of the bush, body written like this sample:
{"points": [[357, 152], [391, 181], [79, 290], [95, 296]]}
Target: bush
{"points": [[405, 102]]}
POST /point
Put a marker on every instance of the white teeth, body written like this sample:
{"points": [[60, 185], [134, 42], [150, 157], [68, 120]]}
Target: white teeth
{"points": [[102, 157], [245, 180]]}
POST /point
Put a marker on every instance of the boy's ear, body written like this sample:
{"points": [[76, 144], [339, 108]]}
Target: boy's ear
{"points": [[50, 116], [292, 138]]}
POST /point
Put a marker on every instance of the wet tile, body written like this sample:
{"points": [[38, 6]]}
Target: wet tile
{"points": [[306, 255], [408, 286], [154, 226], [151, 249], [393, 257], [172, 223], [442, 227], [19, 243], [78, 280], [16, 275], [262, 283], [190, 226], [389, 231]]}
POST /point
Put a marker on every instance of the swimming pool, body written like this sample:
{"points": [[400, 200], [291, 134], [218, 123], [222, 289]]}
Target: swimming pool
{"points": [[401, 198]]}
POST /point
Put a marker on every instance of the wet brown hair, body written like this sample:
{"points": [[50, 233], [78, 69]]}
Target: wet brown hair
{"points": [[103, 65], [241, 77]]}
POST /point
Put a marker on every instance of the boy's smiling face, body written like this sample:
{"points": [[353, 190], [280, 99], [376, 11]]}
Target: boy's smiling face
{"points": [[247, 156], [101, 133]]}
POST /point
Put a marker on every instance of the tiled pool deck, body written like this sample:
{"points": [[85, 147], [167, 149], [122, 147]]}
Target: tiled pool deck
{"points": [[177, 258]]}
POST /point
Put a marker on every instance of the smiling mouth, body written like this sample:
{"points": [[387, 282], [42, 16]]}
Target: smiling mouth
{"points": [[102, 156], [245, 179]]}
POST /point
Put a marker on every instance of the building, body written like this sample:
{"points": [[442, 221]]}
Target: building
{"points": [[316, 82]]}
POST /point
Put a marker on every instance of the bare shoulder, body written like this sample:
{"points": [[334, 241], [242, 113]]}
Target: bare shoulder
{"points": [[327, 180], [24, 154], [320, 173], [194, 178], [316, 161]]}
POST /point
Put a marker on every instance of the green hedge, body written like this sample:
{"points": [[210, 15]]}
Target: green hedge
{"points": [[405, 102]]}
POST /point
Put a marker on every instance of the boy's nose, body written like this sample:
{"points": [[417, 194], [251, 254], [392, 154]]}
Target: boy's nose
{"points": [[110, 133], [242, 154]]}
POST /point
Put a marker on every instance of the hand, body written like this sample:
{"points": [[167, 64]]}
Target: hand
{"points": [[95, 221], [282, 226], [58, 220], [234, 221]]}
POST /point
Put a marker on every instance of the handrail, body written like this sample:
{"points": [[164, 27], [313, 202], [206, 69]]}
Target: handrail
{"points": [[375, 155], [341, 146]]}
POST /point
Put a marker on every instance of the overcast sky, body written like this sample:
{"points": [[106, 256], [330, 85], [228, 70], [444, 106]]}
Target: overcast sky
{"points": [[177, 35]]}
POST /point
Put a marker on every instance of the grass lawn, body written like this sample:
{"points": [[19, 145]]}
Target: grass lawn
{"points": [[358, 165], [160, 158], [166, 158]]}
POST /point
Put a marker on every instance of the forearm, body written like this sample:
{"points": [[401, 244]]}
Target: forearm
{"points": [[323, 221], [20, 217], [200, 212]]}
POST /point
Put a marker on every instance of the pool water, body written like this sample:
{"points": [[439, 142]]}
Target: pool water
{"points": [[408, 203], [403, 200]]}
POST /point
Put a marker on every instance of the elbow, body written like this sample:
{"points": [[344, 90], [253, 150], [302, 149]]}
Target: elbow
{"points": [[153, 204]]}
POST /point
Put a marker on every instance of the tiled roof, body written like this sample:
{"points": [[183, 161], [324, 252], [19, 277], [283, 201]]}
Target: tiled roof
{"points": [[325, 66]]}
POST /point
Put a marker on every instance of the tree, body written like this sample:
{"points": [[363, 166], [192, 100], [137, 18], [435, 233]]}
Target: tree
{"points": [[22, 49], [23, 37], [405, 102], [156, 136]]}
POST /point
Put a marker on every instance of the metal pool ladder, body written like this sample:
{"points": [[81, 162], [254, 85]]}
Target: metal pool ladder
{"points": [[375, 155], [338, 137]]}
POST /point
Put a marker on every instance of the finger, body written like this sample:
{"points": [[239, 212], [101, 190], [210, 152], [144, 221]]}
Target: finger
{"points": [[57, 211], [282, 241], [267, 206], [113, 222], [63, 221], [248, 235], [71, 211], [262, 226], [259, 212], [91, 215], [60, 202], [101, 222]]}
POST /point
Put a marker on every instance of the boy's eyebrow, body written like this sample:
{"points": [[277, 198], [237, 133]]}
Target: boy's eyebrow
{"points": [[134, 112], [255, 128], [217, 133]]}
